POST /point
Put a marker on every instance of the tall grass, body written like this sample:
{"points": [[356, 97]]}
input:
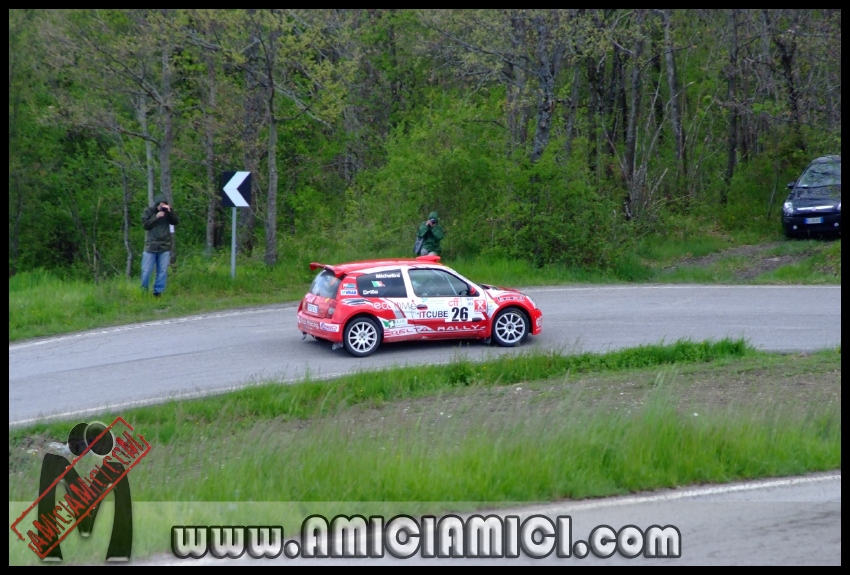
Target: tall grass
{"points": [[528, 453]]}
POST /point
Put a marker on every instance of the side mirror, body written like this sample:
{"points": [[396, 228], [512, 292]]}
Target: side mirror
{"points": [[791, 185], [472, 291]]}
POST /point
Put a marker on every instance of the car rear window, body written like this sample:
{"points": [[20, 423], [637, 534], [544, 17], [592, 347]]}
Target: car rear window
{"points": [[382, 284], [325, 285]]}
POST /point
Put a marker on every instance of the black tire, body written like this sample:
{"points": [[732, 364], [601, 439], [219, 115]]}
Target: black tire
{"points": [[361, 336], [510, 327]]}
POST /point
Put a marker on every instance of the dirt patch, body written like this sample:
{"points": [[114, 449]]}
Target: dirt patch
{"points": [[790, 382], [755, 259]]}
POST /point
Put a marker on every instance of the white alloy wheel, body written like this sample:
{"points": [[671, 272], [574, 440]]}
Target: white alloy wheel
{"points": [[510, 327], [361, 337]]}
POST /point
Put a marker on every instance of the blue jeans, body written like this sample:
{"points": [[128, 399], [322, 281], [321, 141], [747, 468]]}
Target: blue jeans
{"points": [[160, 259]]}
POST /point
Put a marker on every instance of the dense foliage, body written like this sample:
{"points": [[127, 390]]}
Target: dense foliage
{"points": [[553, 136]]}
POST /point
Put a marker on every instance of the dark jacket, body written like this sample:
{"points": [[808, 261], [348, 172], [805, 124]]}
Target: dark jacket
{"points": [[433, 235], [157, 230]]}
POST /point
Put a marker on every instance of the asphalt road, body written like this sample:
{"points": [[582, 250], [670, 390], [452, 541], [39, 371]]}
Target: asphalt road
{"points": [[788, 521], [148, 362]]}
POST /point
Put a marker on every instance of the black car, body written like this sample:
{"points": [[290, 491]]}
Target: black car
{"points": [[813, 206]]}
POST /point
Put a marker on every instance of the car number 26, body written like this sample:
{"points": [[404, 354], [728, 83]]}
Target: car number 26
{"points": [[460, 314]]}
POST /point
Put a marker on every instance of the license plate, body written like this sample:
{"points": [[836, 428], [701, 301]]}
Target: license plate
{"points": [[814, 220], [312, 308]]}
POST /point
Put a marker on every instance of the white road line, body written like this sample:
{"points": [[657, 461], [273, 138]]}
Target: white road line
{"points": [[175, 320], [565, 507], [158, 400]]}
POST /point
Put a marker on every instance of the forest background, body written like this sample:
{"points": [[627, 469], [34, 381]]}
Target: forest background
{"points": [[558, 137]]}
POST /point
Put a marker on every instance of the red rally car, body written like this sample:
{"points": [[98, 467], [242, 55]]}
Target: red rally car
{"points": [[360, 305]]}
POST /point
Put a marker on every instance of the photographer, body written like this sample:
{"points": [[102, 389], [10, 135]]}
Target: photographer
{"points": [[157, 220], [432, 232]]}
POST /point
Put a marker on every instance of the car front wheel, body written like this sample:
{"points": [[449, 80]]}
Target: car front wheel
{"points": [[510, 327], [361, 337]]}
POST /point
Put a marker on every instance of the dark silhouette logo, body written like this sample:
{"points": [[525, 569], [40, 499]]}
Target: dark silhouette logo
{"points": [[112, 456]]}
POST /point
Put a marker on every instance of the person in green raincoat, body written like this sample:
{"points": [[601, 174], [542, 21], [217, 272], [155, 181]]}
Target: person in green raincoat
{"points": [[432, 233]]}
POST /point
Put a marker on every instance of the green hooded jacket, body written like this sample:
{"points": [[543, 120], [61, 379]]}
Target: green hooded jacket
{"points": [[157, 230], [432, 235]]}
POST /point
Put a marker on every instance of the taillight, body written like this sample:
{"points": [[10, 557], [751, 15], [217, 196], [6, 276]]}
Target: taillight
{"points": [[331, 311]]}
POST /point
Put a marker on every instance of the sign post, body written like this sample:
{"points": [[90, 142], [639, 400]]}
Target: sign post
{"points": [[236, 193]]}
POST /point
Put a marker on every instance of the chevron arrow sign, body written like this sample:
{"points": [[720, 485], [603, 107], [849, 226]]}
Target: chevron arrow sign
{"points": [[236, 189]]}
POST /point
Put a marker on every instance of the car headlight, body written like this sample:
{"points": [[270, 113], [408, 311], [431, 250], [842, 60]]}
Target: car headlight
{"points": [[788, 208], [839, 206]]}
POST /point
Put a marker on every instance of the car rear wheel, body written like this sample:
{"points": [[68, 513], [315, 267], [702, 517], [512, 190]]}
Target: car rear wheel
{"points": [[510, 327], [361, 337]]}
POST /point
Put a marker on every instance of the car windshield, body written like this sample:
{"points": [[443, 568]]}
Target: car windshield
{"points": [[821, 175], [326, 284]]}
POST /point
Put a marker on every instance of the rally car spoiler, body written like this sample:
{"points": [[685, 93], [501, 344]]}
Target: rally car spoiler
{"points": [[316, 265]]}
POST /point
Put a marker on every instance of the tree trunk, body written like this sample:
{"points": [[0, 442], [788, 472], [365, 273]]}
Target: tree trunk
{"points": [[635, 192], [570, 112], [787, 50], [271, 210], [126, 205], [167, 141], [673, 86], [250, 135], [212, 203], [515, 87], [142, 115], [546, 81], [732, 133]]}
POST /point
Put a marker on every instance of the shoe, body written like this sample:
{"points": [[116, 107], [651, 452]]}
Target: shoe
{"points": [[157, 295]]}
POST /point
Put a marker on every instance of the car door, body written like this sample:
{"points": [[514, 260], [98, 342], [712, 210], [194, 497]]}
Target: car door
{"points": [[445, 305], [386, 292]]}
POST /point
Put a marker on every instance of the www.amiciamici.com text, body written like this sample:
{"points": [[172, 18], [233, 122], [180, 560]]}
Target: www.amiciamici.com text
{"points": [[404, 536]]}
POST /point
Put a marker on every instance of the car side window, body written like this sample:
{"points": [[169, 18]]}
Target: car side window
{"points": [[382, 284], [436, 283]]}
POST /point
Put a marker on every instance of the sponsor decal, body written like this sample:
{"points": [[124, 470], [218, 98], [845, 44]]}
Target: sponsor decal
{"points": [[480, 305], [399, 331], [378, 284], [511, 298], [308, 323], [349, 286], [392, 323], [453, 302], [348, 292], [440, 314], [392, 306], [475, 327], [387, 276], [329, 326], [358, 301], [370, 292]]}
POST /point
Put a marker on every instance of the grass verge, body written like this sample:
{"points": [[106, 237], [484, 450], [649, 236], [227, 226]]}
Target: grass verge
{"points": [[458, 437]]}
